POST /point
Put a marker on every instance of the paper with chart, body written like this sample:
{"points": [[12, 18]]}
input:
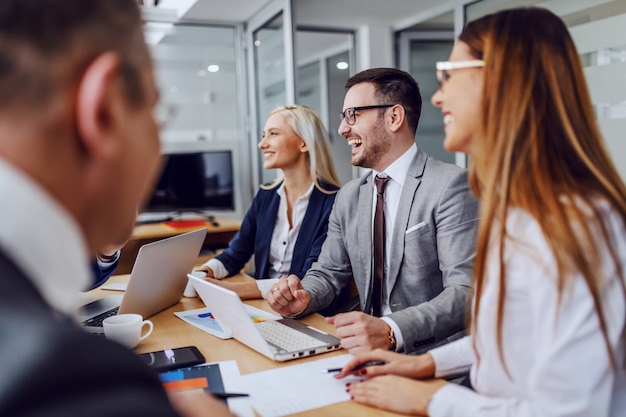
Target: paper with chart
{"points": [[297, 388], [204, 320]]}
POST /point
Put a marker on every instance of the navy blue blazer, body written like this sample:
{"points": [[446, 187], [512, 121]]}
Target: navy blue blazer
{"points": [[101, 275], [255, 234]]}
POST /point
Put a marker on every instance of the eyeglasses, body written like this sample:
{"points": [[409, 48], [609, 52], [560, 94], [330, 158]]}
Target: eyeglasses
{"points": [[444, 66], [349, 114]]}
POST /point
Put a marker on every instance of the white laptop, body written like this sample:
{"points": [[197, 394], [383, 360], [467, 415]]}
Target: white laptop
{"points": [[157, 281], [280, 340]]}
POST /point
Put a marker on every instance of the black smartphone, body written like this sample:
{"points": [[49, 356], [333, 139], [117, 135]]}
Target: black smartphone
{"points": [[168, 359]]}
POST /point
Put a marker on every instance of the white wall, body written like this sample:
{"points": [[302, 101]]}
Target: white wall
{"points": [[598, 28]]}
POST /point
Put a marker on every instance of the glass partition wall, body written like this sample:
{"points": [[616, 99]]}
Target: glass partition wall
{"points": [[199, 79], [324, 64], [419, 51], [271, 73], [338, 70], [598, 28], [322, 60], [269, 63]]}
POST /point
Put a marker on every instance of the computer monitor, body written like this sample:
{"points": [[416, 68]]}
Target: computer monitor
{"points": [[193, 179]]}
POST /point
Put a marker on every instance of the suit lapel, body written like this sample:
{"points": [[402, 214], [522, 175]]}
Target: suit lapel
{"points": [[364, 234], [407, 200]]}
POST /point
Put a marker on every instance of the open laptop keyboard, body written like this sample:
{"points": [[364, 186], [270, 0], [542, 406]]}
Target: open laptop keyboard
{"points": [[285, 337], [96, 321]]}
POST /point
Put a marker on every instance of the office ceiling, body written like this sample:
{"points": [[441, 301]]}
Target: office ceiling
{"points": [[338, 14]]}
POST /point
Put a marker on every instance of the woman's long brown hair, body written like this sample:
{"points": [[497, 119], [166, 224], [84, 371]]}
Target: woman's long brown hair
{"points": [[538, 148]]}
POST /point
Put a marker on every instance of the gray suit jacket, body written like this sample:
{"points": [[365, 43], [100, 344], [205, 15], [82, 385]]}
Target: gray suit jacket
{"points": [[430, 264]]}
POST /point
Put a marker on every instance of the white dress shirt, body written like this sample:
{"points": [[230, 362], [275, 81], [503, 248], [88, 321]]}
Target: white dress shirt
{"points": [[554, 353], [43, 240], [282, 244], [397, 172]]}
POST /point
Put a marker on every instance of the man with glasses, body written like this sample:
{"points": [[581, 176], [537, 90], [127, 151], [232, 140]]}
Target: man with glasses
{"points": [[412, 263]]}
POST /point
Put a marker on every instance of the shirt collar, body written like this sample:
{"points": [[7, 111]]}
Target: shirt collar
{"points": [[398, 169], [306, 196], [42, 238]]}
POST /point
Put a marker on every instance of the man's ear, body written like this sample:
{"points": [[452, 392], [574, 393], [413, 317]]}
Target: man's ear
{"points": [[398, 115], [96, 101]]}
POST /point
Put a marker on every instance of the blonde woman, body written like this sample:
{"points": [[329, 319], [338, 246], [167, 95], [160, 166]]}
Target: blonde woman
{"points": [[548, 333], [286, 225]]}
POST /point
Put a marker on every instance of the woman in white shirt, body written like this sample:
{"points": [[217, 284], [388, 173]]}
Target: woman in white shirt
{"points": [[547, 332]]}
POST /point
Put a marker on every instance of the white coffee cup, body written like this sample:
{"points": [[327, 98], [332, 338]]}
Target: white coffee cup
{"points": [[126, 329], [190, 290]]}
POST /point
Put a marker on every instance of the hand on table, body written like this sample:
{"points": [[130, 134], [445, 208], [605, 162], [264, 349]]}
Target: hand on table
{"points": [[395, 393], [288, 297], [360, 332], [410, 366]]}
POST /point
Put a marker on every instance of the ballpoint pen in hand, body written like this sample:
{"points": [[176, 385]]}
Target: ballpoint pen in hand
{"points": [[227, 394], [356, 368]]}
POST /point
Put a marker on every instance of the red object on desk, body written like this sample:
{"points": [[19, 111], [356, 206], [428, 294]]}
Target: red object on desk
{"points": [[186, 224]]}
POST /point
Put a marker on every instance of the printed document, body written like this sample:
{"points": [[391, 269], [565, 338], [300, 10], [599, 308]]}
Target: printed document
{"points": [[297, 388]]}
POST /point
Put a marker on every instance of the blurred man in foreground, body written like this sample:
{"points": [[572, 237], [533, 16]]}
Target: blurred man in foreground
{"points": [[79, 149]]}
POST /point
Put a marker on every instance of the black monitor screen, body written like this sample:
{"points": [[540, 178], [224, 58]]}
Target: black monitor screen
{"points": [[195, 181]]}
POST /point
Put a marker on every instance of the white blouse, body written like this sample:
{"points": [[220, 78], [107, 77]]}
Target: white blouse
{"points": [[283, 241], [553, 350]]}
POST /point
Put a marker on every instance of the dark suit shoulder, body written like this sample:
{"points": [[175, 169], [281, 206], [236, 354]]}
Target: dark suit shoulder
{"points": [[79, 374]]}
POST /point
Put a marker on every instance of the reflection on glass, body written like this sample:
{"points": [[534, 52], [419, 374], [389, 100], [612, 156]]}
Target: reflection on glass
{"points": [[429, 136], [269, 69], [206, 106], [323, 59], [309, 86], [337, 79], [599, 62]]}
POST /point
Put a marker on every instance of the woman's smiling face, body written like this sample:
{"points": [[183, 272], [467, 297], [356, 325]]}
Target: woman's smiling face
{"points": [[459, 97]]}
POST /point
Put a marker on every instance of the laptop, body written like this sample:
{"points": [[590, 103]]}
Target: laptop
{"points": [[157, 281], [280, 340]]}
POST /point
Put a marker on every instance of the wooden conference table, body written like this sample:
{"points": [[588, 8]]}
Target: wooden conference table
{"points": [[170, 332]]}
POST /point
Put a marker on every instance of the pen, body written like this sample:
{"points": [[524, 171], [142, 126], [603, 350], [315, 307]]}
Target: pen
{"points": [[227, 394], [356, 368]]}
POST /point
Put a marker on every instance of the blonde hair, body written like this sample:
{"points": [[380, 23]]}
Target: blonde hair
{"points": [[308, 126], [538, 145]]}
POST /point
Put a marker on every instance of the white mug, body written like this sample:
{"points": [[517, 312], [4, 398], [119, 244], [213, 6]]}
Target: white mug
{"points": [[190, 290], [126, 329]]}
